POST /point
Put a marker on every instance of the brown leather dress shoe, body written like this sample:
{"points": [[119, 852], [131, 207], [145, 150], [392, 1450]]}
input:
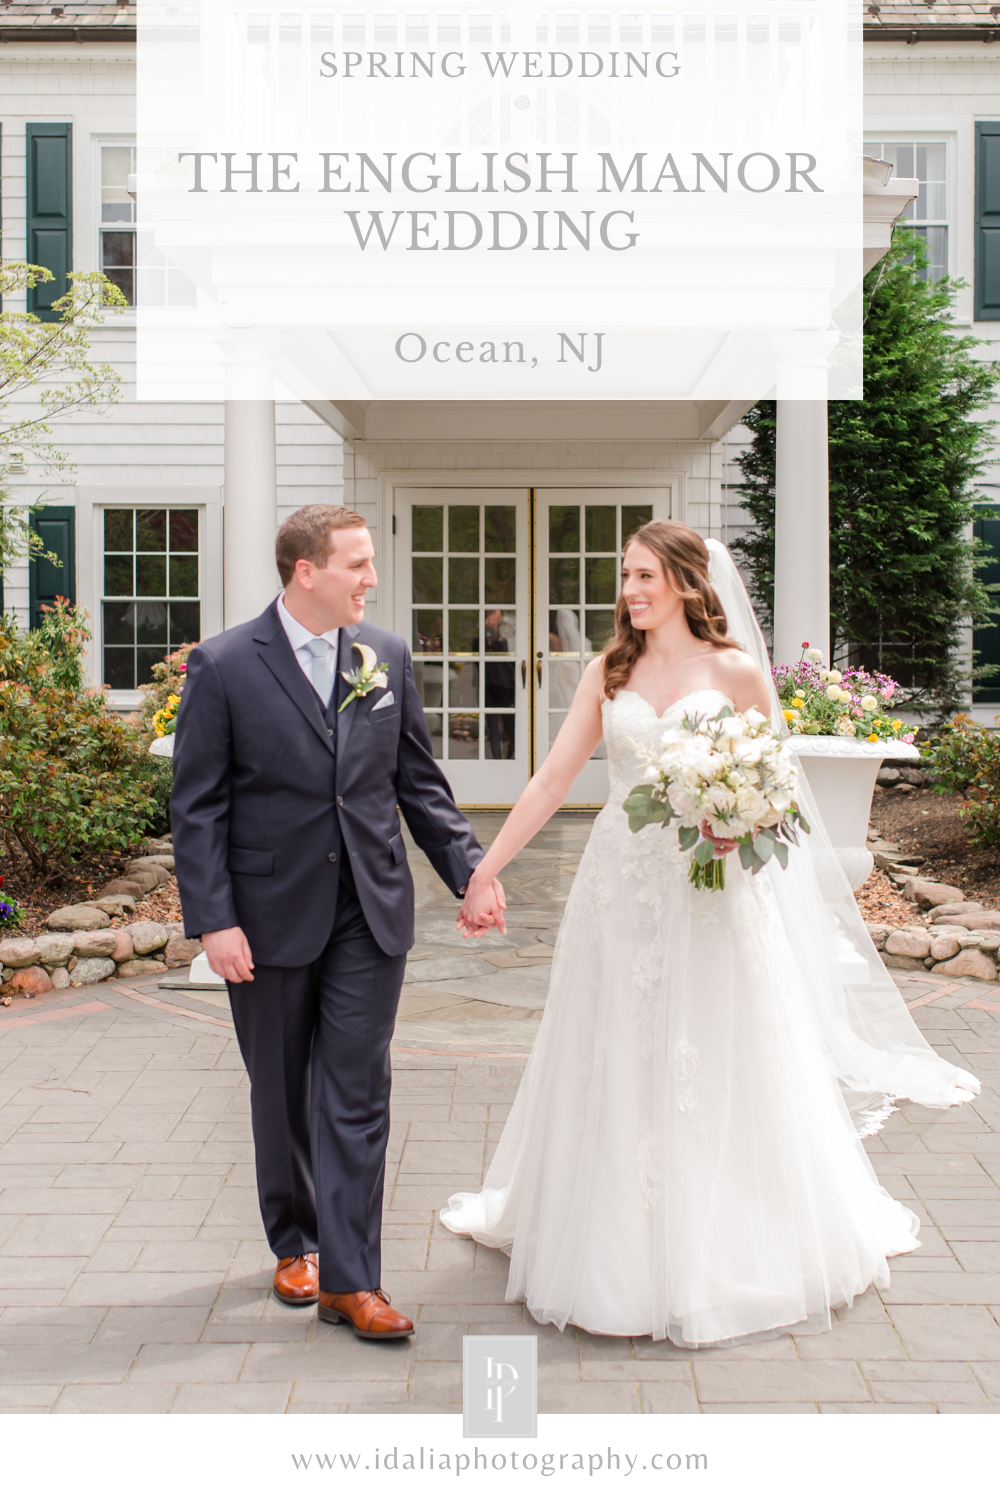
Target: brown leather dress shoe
{"points": [[296, 1280], [368, 1313]]}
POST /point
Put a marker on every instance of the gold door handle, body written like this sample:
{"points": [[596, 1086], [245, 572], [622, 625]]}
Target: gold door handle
{"points": [[538, 668], [524, 674]]}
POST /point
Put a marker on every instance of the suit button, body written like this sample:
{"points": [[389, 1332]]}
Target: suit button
{"points": [[340, 801], [330, 733], [332, 858]]}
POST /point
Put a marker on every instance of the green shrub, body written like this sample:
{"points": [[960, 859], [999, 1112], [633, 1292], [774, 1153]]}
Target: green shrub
{"points": [[965, 758], [73, 776]]}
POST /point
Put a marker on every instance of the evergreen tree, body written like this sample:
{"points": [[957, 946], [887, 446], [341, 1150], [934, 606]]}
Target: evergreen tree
{"points": [[903, 568]]}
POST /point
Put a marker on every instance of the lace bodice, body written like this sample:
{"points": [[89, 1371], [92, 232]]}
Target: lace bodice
{"points": [[632, 727]]}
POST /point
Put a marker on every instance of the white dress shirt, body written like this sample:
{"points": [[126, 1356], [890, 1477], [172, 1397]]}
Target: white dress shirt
{"points": [[299, 638]]}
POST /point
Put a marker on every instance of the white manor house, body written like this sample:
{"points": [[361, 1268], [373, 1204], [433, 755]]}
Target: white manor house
{"points": [[498, 525]]}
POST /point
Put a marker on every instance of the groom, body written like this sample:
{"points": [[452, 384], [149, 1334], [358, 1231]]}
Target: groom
{"points": [[292, 870]]}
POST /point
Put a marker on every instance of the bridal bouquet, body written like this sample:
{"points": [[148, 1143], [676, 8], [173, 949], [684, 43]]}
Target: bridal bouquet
{"points": [[726, 777]]}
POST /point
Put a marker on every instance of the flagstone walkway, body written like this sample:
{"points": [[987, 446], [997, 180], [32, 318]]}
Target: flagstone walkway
{"points": [[134, 1276]]}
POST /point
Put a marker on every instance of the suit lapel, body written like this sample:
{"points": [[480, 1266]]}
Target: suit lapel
{"points": [[347, 660], [275, 651]]}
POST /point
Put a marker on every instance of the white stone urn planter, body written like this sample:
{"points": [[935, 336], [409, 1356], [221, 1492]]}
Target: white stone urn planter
{"points": [[163, 746], [841, 773]]}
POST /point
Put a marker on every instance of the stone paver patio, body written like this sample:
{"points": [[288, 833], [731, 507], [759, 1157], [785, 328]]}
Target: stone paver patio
{"points": [[134, 1276]]}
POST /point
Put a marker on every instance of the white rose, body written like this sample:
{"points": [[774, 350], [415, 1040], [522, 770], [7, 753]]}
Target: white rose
{"points": [[833, 693], [845, 696], [814, 654], [834, 676], [869, 704]]}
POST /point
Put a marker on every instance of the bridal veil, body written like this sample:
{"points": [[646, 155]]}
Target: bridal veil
{"points": [[875, 1046]]}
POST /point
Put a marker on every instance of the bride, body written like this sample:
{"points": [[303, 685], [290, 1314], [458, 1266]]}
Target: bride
{"points": [[684, 1158]]}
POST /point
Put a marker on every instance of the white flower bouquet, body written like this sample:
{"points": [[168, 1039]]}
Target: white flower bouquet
{"points": [[722, 778]]}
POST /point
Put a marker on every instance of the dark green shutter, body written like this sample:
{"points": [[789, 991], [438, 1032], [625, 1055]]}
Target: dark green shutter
{"points": [[986, 640], [56, 525], [987, 220], [49, 212]]}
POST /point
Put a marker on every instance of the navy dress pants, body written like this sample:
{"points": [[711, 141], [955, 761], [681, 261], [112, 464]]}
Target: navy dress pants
{"points": [[315, 1041]]}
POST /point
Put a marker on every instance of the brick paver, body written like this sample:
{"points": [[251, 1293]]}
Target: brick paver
{"points": [[134, 1276]]}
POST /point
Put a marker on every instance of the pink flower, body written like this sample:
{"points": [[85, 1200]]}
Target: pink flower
{"points": [[907, 738], [886, 692]]}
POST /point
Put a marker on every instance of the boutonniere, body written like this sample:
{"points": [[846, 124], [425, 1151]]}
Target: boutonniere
{"points": [[370, 674]]}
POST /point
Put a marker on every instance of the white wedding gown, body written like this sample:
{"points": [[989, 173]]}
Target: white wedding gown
{"points": [[680, 1159]]}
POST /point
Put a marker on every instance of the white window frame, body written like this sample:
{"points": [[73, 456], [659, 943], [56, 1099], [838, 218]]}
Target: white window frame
{"points": [[97, 208], [897, 137]]}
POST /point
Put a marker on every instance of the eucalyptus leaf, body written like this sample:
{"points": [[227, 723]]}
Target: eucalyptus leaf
{"points": [[746, 856], [781, 855], [704, 852], [688, 837]]}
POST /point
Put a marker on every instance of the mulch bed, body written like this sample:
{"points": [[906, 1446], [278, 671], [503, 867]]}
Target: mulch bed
{"points": [[83, 884], [923, 822]]}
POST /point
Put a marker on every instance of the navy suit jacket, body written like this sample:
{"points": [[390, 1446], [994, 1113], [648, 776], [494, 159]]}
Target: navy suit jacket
{"points": [[267, 798]]}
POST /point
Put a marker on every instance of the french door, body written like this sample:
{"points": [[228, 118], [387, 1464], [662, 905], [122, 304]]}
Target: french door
{"points": [[505, 595]]}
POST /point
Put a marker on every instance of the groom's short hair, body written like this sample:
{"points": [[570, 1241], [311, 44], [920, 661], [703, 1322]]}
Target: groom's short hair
{"points": [[307, 534]]}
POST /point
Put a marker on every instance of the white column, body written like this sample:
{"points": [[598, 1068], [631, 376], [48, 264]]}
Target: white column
{"points": [[250, 512], [801, 530], [802, 495]]}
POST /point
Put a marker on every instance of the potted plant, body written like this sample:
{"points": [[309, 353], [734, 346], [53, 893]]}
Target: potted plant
{"points": [[842, 727]]}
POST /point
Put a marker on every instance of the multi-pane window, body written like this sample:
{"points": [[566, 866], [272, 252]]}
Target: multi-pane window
{"points": [[129, 256], [118, 219], [465, 627], [150, 603], [927, 215], [585, 545]]}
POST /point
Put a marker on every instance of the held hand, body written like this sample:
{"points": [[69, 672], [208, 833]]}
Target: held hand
{"points": [[482, 908], [722, 846], [228, 954]]}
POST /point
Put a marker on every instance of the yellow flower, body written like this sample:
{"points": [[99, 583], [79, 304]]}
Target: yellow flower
{"points": [[789, 715], [897, 723], [798, 703], [873, 738]]}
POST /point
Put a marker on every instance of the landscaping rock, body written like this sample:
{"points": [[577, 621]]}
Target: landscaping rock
{"points": [[60, 979], [27, 983], [159, 846], [915, 778], [897, 961], [123, 946], [115, 906], [124, 888], [77, 919], [990, 944], [888, 776], [95, 944], [92, 970], [147, 879], [878, 933], [905, 944], [6, 974], [975, 921], [138, 966], [928, 893], [147, 936], [19, 953], [944, 947], [154, 861], [968, 965], [952, 909], [55, 947], [180, 951]]}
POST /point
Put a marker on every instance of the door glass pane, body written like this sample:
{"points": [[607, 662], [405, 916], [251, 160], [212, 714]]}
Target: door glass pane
{"points": [[564, 528], [500, 528], [599, 532], [463, 580], [600, 627], [428, 580], [434, 727], [463, 631], [564, 580], [634, 516], [501, 580], [500, 736], [429, 680], [463, 528], [427, 631], [428, 528], [463, 737], [602, 580], [463, 684], [564, 679]]}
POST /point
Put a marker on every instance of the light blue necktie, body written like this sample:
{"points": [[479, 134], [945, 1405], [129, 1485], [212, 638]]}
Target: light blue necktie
{"points": [[322, 677]]}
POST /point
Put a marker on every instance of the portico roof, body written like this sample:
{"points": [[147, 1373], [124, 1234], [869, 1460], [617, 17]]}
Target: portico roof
{"points": [[932, 21]]}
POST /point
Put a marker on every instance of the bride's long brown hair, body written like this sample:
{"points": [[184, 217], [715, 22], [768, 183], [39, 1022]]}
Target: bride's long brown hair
{"points": [[684, 558]]}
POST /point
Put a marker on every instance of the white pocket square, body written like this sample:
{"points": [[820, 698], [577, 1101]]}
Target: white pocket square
{"points": [[383, 702]]}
